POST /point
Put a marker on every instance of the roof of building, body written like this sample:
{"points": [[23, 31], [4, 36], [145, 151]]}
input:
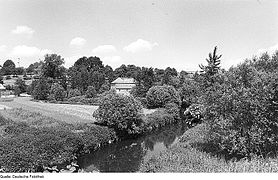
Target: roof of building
{"points": [[124, 81]]}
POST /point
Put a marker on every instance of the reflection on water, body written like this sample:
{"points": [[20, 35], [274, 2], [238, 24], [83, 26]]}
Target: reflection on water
{"points": [[126, 156]]}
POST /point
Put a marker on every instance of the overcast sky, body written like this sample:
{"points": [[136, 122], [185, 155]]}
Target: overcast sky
{"points": [[157, 33]]}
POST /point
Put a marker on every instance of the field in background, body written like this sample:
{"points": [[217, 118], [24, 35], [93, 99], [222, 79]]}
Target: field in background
{"points": [[63, 112]]}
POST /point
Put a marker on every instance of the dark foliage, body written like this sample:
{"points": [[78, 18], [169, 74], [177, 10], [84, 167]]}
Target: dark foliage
{"points": [[120, 112], [159, 96]]}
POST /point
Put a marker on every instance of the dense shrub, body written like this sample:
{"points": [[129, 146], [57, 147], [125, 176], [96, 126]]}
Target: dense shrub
{"points": [[94, 137], [159, 96], [143, 101], [120, 112], [57, 92], [20, 86], [9, 87], [157, 119], [41, 90], [91, 92], [139, 91], [31, 87], [173, 109], [73, 93], [190, 92], [27, 149], [104, 87], [195, 111], [242, 111]]}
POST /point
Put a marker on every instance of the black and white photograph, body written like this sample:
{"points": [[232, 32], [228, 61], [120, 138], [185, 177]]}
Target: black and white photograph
{"points": [[138, 86]]}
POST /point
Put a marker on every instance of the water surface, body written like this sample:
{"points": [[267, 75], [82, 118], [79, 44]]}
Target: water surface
{"points": [[127, 155]]}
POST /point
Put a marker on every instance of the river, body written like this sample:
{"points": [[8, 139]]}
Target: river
{"points": [[127, 155]]}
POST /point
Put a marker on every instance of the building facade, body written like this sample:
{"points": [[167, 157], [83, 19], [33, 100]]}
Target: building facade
{"points": [[123, 85]]}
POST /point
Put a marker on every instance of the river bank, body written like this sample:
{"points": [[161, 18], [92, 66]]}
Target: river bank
{"points": [[193, 153], [33, 142]]}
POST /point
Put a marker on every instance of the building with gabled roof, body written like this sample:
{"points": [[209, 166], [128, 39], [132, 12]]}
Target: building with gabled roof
{"points": [[123, 85]]}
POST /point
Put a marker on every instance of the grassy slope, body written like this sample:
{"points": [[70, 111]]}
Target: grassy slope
{"points": [[187, 156], [62, 112], [29, 140]]}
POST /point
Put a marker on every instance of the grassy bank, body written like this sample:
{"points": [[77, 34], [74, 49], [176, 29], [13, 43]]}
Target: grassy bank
{"points": [[29, 140], [194, 153]]}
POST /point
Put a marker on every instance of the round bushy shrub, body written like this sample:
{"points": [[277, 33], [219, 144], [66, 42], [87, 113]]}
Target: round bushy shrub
{"points": [[73, 93], [173, 109], [120, 112], [57, 92], [91, 92], [159, 96]]}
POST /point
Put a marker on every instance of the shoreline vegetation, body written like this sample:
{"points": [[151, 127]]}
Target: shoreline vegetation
{"points": [[194, 154], [32, 142]]}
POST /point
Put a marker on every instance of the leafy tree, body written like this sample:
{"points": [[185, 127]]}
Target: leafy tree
{"points": [[139, 91], [41, 90], [20, 86], [53, 66], [120, 112], [34, 68], [96, 79], [88, 72], [91, 63], [159, 73], [8, 67], [169, 73], [91, 92], [73, 93], [120, 71], [159, 96], [78, 78], [145, 80], [57, 92], [241, 109], [183, 77], [109, 73], [105, 87], [19, 71]]}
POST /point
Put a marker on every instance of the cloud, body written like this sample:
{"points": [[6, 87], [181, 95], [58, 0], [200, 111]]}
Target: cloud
{"points": [[112, 59], [3, 48], [78, 42], [270, 50], [140, 46], [23, 30], [104, 49], [28, 51]]}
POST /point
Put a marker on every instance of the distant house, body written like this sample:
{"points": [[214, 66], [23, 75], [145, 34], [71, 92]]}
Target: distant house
{"points": [[123, 85]]}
